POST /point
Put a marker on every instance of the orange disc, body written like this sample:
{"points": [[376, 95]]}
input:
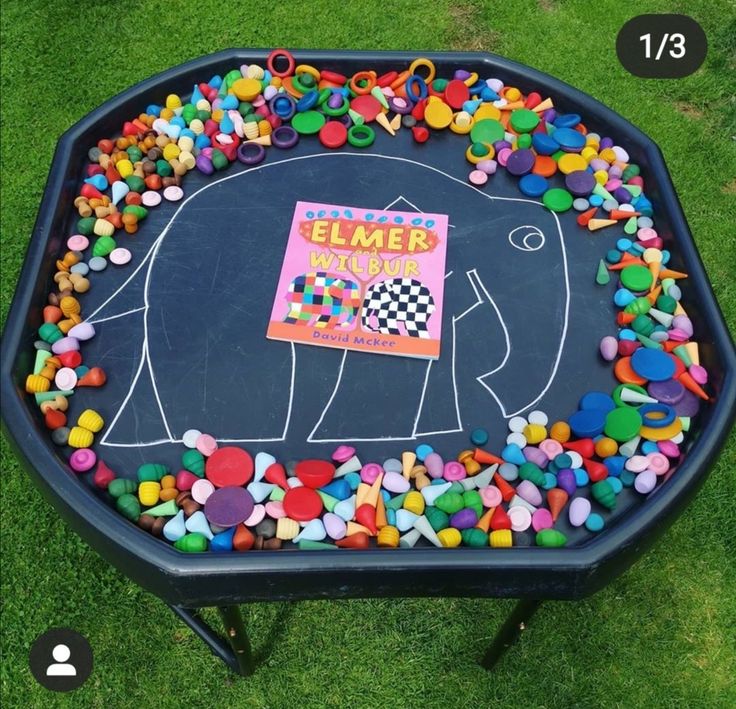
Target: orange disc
{"points": [[625, 374], [545, 166]]}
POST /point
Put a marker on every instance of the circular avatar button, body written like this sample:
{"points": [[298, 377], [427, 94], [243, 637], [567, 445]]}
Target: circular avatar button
{"points": [[61, 659]]}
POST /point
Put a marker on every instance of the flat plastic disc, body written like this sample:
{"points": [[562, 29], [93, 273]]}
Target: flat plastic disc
{"points": [[228, 506], [302, 504], [229, 466], [315, 473]]}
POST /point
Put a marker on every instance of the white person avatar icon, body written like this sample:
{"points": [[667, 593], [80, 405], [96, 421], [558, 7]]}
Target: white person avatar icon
{"points": [[61, 668]]}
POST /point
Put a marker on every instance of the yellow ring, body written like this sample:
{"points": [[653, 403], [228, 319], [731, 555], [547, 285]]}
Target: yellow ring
{"points": [[461, 129], [422, 61], [474, 159], [472, 79], [307, 69]]}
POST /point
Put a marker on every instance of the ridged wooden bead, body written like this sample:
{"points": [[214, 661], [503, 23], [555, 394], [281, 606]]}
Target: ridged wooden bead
{"points": [[148, 493], [388, 537], [90, 420], [501, 539], [414, 502], [80, 437], [450, 537], [35, 383], [286, 529]]}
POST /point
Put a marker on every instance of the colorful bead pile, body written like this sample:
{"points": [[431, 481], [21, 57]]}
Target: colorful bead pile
{"points": [[223, 499]]}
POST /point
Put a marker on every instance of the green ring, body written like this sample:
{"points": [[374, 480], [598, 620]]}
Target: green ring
{"points": [[297, 84], [324, 94], [616, 396], [364, 142], [341, 111]]}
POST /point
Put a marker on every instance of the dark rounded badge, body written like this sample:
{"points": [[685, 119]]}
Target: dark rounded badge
{"points": [[61, 659], [661, 46]]}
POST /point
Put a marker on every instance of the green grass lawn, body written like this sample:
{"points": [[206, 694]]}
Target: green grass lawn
{"points": [[661, 635]]}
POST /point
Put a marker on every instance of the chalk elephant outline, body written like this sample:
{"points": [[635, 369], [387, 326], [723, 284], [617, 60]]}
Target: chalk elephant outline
{"points": [[323, 300], [398, 300]]}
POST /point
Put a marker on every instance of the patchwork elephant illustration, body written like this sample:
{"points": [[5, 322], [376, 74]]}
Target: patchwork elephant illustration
{"points": [[320, 299], [398, 300]]}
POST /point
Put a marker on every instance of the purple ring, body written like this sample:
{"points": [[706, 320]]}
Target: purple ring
{"points": [[284, 137], [251, 153], [396, 107]]}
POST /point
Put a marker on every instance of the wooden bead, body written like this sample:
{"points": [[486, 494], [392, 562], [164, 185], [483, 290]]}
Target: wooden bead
{"points": [[388, 537]]}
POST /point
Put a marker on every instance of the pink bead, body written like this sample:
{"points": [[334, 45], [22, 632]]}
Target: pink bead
{"points": [[670, 449], [698, 373], [646, 233], [503, 156], [658, 463], [185, 479], [343, 453], [453, 471], [491, 496], [370, 472], [120, 256], [551, 448], [478, 177], [78, 242], [82, 460], [275, 510], [206, 444], [542, 519], [637, 463], [259, 512], [201, 490]]}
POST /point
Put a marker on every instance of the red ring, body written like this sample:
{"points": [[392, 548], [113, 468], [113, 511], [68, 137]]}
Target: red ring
{"points": [[273, 56], [333, 77]]}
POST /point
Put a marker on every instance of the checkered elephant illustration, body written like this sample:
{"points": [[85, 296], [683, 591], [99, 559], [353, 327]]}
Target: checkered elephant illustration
{"points": [[324, 300], [398, 300]]}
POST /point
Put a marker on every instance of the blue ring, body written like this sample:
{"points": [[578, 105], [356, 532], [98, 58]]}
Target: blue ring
{"points": [[308, 101], [409, 88], [647, 409]]}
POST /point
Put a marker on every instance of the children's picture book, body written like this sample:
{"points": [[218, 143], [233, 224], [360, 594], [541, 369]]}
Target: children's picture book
{"points": [[362, 279]]}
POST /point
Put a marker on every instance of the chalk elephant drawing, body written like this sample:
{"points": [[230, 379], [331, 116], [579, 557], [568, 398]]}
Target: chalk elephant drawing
{"points": [[322, 300], [398, 300]]}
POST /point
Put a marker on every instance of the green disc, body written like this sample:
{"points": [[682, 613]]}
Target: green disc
{"points": [[523, 120], [636, 278], [557, 200], [488, 130], [308, 122], [622, 424]]}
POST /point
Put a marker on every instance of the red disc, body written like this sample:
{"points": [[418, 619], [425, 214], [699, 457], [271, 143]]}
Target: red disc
{"points": [[367, 106], [302, 504], [387, 79], [229, 466], [333, 77], [333, 134], [456, 93], [315, 473]]}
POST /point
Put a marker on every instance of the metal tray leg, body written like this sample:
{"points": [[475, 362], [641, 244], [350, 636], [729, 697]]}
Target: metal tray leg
{"points": [[235, 652], [510, 631]]}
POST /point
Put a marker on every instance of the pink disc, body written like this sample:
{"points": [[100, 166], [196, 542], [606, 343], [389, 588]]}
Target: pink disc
{"points": [[173, 193], [646, 233], [120, 256], [206, 444], [275, 510], [343, 454], [490, 496], [78, 242], [478, 177], [82, 460], [150, 198], [201, 490], [669, 448], [66, 379]]}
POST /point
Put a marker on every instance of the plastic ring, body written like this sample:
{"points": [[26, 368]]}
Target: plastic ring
{"points": [[459, 128], [251, 153], [271, 61], [361, 136], [412, 81], [284, 137], [362, 76], [308, 101], [334, 112], [299, 86], [646, 411], [616, 396], [277, 103], [472, 79], [427, 64], [308, 69]]}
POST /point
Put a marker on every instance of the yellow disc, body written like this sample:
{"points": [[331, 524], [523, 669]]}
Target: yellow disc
{"points": [[486, 110], [661, 434], [570, 162], [437, 115], [246, 89]]}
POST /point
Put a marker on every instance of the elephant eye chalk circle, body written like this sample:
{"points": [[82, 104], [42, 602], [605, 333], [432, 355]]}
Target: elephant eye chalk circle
{"points": [[527, 238]]}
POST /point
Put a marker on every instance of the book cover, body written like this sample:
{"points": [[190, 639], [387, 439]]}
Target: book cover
{"points": [[362, 279]]}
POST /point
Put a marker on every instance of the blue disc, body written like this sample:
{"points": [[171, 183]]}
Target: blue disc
{"points": [[566, 120], [587, 423], [597, 400], [479, 437], [544, 144], [423, 450], [654, 365], [570, 140], [533, 185]]}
